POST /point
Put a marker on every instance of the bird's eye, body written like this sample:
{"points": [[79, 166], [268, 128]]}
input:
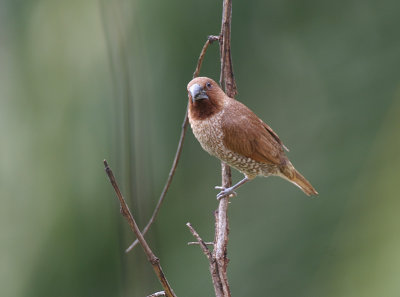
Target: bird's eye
{"points": [[208, 85]]}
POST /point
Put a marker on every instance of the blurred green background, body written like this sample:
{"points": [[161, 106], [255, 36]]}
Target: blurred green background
{"points": [[81, 81]]}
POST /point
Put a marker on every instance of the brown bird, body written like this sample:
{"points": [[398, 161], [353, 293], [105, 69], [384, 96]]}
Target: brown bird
{"points": [[230, 131]]}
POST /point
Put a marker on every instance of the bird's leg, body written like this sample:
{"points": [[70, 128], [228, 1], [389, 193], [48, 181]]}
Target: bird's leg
{"points": [[230, 190]]}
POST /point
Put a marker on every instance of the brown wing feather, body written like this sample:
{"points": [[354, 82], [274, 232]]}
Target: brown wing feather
{"points": [[246, 134]]}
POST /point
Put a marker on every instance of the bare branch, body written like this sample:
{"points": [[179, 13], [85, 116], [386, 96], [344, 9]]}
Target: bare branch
{"points": [[196, 243], [200, 241], [171, 174], [168, 183], [157, 294], [210, 40], [221, 236], [227, 81], [155, 262]]}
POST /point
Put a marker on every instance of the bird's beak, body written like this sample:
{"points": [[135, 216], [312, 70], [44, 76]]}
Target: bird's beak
{"points": [[197, 92]]}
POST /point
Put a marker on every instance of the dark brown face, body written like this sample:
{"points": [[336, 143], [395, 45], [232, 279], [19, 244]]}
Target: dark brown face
{"points": [[205, 97], [199, 88]]}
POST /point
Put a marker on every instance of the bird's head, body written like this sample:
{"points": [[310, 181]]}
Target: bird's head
{"points": [[205, 97], [204, 88]]}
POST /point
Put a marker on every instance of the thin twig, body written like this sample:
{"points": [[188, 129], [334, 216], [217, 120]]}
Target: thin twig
{"points": [[200, 241], [155, 262], [171, 174], [210, 40], [196, 243], [157, 294], [168, 183]]}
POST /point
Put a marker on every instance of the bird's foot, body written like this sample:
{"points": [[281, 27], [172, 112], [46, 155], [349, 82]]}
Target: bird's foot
{"points": [[225, 192]]}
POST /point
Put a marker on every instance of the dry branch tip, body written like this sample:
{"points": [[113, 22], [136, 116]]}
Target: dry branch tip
{"points": [[157, 294]]}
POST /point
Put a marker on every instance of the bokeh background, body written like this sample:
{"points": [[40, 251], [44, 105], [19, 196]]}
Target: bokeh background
{"points": [[81, 81]]}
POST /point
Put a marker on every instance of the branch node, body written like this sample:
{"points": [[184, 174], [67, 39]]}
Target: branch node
{"points": [[200, 241], [212, 38], [154, 260]]}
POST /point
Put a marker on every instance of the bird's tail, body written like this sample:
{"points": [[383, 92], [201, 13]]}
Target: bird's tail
{"points": [[292, 175]]}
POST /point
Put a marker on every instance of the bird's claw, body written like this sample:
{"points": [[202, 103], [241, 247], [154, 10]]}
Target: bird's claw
{"points": [[225, 192]]}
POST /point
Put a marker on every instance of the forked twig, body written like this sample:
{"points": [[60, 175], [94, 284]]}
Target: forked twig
{"points": [[171, 174], [155, 262], [215, 276], [202, 244]]}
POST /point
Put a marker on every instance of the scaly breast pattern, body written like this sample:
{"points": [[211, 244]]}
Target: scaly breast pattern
{"points": [[209, 133]]}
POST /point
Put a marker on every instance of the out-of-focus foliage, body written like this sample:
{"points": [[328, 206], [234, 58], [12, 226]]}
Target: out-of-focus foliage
{"points": [[85, 80]]}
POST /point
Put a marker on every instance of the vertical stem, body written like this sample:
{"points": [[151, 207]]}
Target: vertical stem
{"points": [[227, 82], [227, 79]]}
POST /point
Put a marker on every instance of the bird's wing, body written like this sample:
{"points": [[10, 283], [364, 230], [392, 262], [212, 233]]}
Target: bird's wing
{"points": [[246, 134]]}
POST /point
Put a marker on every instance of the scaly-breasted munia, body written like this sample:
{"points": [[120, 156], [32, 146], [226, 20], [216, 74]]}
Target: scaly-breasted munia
{"points": [[230, 131]]}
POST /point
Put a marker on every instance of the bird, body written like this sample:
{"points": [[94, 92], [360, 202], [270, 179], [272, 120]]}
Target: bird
{"points": [[230, 131]]}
